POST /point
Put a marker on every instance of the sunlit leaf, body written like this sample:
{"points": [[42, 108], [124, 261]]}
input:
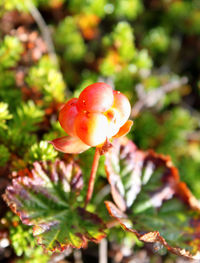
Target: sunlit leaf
{"points": [[46, 198], [155, 237], [68, 144], [124, 172], [152, 202]]}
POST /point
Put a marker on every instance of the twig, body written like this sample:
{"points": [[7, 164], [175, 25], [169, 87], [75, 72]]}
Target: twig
{"points": [[92, 176], [44, 31], [194, 136], [60, 256], [149, 99], [103, 251], [77, 256]]}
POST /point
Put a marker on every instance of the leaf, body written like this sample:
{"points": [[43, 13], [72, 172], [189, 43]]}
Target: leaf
{"points": [[123, 169], [152, 201], [124, 129], [129, 169], [68, 144], [46, 198], [4, 115], [149, 237]]}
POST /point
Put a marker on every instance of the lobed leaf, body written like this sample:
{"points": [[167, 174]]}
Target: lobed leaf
{"points": [[123, 168], [46, 198], [151, 236], [151, 201]]}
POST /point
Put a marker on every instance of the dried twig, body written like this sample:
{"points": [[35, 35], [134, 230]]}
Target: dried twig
{"points": [[194, 136], [103, 251], [44, 31], [77, 256], [149, 99], [60, 256]]}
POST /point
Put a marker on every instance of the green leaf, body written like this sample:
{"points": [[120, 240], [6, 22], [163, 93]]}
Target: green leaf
{"points": [[27, 116], [41, 151], [159, 208], [123, 167], [47, 198], [23, 242], [69, 37], [4, 115], [10, 51], [4, 155], [129, 9], [45, 77], [155, 238]]}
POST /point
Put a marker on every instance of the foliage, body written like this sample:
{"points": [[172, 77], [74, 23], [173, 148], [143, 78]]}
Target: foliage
{"points": [[46, 199], [47, 79], [13, 4], [5, 155], [125, 55], [143, 182], [10, 51], [129, 9], [4, 115], [69, 38], [41, 152], [172, 131], [92, 7], [23, 242], [27, 116], [157, 40]]}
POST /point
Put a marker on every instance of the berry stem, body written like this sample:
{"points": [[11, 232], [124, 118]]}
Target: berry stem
{"points": [[92, 176]]}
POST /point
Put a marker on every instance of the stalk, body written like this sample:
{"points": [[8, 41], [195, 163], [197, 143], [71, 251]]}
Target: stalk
{"points": [[92, 176]]}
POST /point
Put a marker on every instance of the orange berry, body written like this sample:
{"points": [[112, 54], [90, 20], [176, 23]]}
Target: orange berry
{"points": [[67, 116], [114, 119], [122, 104], [91, 128], [97, 97]]}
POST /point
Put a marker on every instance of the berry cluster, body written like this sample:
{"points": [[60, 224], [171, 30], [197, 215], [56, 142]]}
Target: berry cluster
{"points": [[97, 115]]}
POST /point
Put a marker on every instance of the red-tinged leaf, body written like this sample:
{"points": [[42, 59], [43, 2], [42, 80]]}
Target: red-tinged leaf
{"points": [[129, 169], [46, 198], [147, 186], [149, 237], [124, 161], [183, 191], [124, 129], [68, 144]]}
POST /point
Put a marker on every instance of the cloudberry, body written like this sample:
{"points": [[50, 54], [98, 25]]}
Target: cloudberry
{"points": [[96, 116]]}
